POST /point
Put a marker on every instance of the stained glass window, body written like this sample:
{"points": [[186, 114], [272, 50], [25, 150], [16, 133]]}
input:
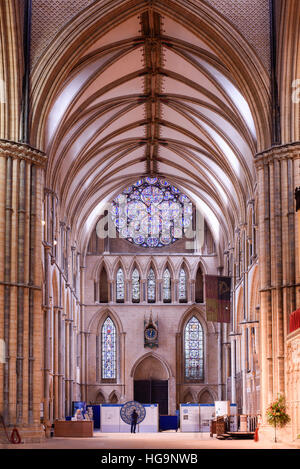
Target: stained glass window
{"points": [[108, 350], [193, 349], [120, 287], [182, 286], [135, 286], [151, 287], [151, 213], [167, 286]]}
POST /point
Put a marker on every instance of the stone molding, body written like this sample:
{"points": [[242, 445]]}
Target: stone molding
{"points": [[22, 151], [278, 152]]}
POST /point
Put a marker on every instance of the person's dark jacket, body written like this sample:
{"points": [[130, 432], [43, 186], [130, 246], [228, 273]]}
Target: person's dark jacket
{"points": [[134, 417]]}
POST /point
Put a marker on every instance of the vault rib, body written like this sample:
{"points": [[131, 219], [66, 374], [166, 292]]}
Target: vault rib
{"points": [[151, 31]]}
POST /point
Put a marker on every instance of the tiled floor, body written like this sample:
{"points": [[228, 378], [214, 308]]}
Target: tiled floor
{"points": [[163, 440]]}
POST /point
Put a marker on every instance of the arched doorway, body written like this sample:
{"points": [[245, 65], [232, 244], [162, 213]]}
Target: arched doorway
{"points": [[151, 383]]}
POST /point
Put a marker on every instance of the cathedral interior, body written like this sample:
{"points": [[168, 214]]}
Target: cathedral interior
{"points": [[147, 147]]}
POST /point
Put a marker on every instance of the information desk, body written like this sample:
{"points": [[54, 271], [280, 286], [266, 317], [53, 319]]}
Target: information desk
{"points": [[73, 429]]}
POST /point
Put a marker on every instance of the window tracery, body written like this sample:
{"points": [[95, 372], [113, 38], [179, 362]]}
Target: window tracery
{"points": [[151, 286], [135, 281], [108, 350], [182, 286], [166, 286], [120, 286], [151, 213], [193, 350]]}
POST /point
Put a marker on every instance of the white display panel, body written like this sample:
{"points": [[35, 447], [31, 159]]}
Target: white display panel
{"points": [[111, 421], [197, 417], [222, 408]]}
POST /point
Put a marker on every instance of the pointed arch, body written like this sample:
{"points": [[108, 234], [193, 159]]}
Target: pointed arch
{"points": [[135, 285], [120, 285], [163, 362], [193, 350], [103, 285], [167, 285], [100, 398], [188, 396], [205, 396], [114, 397], [151, 285], [183, 284], [108, 350], [199, 285]]}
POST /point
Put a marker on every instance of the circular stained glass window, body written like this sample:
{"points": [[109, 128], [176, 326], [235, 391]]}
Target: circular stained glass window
{"points": [[152, 213]]}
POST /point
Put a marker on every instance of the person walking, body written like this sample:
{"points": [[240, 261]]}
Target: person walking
{"points": [[134, 417]]}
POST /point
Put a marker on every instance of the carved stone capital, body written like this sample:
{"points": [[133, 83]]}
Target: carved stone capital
{"points": [[278, 152], [22, 151]]}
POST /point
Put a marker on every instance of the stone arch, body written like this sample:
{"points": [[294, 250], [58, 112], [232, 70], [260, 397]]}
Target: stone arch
{"points": [[119, 268], [151, 264], [114, 397], [188, 397], [168, 264], [97, 269], [184, 267], [155, 359], [199, 312], [205, 396], [98, 318], [118, 265], [199, 284], [100, 398], [103, 285], [135, 267], [152, 267]]}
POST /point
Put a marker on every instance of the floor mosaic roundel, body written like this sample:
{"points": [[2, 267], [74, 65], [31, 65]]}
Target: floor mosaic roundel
{"points": [[128, 408]]}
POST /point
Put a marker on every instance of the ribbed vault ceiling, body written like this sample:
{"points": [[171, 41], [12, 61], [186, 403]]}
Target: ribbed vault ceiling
{"points": [[151, 98]]}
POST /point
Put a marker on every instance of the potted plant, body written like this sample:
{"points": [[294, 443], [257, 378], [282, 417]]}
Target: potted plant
{"points": [[276, 414]]}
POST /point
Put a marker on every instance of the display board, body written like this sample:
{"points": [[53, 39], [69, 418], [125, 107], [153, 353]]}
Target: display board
{"points": [[111, 421], [222, 408], [197, 417]]}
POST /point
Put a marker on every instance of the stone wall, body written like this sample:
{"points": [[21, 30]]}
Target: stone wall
{"points": [[293, 381]]}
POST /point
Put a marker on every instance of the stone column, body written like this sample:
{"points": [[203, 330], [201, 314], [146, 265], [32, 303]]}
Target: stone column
{"points": [[122, 367], [179, 368], [61, 360], [220, 381], [278, 175], [83, 363], [21, 192]]}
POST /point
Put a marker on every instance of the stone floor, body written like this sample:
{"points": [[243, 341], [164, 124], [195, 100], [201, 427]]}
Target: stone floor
{"points": [[162, 440]]}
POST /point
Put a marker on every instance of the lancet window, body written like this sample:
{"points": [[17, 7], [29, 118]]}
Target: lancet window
{"points": [[193, 350], [109, 355]]}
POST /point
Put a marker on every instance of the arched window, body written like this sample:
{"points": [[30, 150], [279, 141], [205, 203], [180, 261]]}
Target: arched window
{"points": [[135, 281], [182, 286], [193, 350], [167, 286], [199, 286], [120, 286], [103, 286], [151, 287], [108, 349]]}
